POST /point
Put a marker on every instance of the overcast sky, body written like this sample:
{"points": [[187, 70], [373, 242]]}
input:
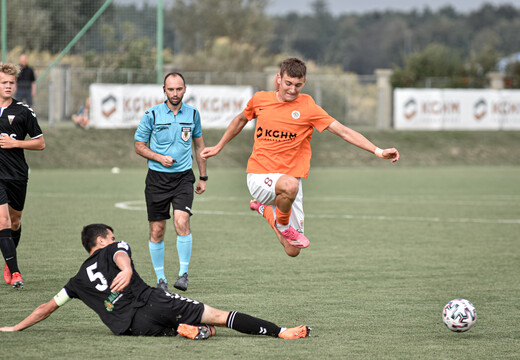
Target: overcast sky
{"points": [[351, 6]]}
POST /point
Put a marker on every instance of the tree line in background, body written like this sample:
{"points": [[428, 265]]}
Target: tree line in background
{"points": [[238, 35]]}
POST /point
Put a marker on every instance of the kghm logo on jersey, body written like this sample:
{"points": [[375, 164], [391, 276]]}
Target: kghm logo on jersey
{"points": [[11, 119], [274, 135]]}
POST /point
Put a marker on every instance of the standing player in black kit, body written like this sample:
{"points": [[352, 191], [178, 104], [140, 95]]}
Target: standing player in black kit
{"points": [[17, 120]]}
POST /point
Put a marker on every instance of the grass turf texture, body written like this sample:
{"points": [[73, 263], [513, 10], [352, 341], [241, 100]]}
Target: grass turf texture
{"points": [[76, 148], [389, 248]]}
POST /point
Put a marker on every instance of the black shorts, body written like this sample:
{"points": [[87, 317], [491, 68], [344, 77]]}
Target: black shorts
{"points": [[162, 314], [163, 189], [14, 193]]}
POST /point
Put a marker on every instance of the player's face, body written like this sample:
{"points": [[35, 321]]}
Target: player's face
{"points": [[289, 88], [174, 89], [109, 239], [7, 86]]}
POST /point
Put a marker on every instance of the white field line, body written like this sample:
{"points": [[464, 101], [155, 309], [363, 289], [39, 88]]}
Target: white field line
{"points": [[138, 205], [481, 200]]}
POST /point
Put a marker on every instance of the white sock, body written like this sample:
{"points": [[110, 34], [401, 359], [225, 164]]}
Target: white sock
{"points": [[281, 227]]}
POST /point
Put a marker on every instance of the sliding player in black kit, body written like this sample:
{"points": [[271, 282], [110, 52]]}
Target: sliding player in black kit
{"points": [[17, 121], [108, 283]]}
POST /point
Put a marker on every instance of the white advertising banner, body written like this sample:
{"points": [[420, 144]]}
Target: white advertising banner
{"points": [[122, 106], [456, 109]]}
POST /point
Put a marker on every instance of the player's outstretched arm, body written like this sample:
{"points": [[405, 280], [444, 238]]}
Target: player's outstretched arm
{"points": [[235, 127], [362, 142], [42, 312]]}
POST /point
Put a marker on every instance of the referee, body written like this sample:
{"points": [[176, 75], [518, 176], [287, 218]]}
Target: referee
{"points": [[164, 137], [17, 120]]}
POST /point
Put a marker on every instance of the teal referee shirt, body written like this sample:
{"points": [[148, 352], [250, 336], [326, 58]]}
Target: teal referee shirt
{"points": [[170, 134]]}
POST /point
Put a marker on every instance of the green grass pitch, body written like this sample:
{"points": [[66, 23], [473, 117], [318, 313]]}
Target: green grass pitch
{"points": [[389, 248]]}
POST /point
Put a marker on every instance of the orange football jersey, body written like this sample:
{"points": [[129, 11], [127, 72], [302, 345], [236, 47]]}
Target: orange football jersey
{"points": [[283, 133]]}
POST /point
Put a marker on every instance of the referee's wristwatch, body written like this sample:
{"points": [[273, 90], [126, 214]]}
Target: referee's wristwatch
{"points": [[203, 178]]}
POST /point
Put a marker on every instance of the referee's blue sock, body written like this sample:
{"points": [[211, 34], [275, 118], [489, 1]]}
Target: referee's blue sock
{"points": [[184, 250], [157, 255]]}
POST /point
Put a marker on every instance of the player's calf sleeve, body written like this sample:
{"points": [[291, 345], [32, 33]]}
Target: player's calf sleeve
{"points": [[157, 255], [248, 324], [282, 218], [8, 250], [184, 244], [15, 234]]}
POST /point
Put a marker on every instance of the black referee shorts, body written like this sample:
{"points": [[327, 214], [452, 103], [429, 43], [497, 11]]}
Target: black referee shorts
{"points": [[14, 193], [163, 313], [163, 189]]}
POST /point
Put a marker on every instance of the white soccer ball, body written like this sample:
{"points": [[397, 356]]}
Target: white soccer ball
{"points": [[459, 315], [115, 170]]}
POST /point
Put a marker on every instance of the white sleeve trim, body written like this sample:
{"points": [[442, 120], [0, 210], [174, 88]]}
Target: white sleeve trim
{"points": [[118, 251]]}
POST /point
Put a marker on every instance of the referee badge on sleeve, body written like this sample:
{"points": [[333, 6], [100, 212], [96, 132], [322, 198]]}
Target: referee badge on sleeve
{"points": [[186, 133]]}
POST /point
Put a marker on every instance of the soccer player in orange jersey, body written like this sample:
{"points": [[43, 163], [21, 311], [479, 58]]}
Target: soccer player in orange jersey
{"points": [[281, 154]]}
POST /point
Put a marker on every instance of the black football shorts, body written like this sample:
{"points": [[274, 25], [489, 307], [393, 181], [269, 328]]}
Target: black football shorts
{"points": [[14, 193], [163, 189], [162, 314]]}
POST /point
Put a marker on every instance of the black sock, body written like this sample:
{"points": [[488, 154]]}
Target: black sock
{"points": [[15, 234], [8, 250], [250, 325]]}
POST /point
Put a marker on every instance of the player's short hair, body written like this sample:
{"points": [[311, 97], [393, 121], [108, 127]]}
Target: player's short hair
{"points": [[9, 69], [294, 68], [174, 73], [90, 233]]}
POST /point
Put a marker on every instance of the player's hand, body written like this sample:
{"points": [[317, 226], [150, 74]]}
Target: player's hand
{"points": [[391, 154], [167, 160], [209, 152], [7, 142], [121, 281], [7, 329], [201, 187]]}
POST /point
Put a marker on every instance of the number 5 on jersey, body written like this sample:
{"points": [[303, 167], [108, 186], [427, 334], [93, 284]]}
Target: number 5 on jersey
{"points": [[93, 276]]}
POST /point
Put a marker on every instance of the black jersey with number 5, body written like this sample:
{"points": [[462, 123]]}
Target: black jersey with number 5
{"points": [[17, 121], [92, 286]]}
